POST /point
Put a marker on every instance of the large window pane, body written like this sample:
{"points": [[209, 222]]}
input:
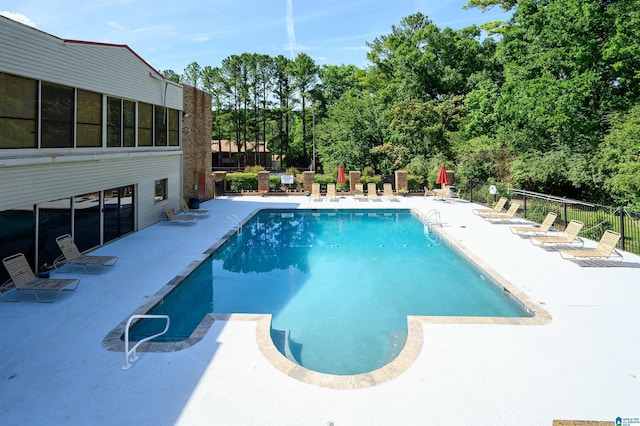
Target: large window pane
{"points": [[160, 126], [54, 220], [129, 130], [56, 116], [118, 212], [18, 102], [86, 221], [161, 190], [145, 124], [17, 236], [114, 122], [174, 127], [89, 119]]}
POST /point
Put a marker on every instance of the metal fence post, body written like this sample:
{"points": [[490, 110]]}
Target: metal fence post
{"points": [[564, 208], [622, 228]]}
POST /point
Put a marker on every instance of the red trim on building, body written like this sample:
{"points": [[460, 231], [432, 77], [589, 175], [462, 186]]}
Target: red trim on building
{"points": [[122, 46]]}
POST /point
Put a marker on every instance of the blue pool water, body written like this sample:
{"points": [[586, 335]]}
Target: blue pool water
{"points": [[339, 285]]}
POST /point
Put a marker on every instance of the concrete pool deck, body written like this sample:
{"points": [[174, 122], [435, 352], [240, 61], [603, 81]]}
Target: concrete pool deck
{"points": [[583, 365]]}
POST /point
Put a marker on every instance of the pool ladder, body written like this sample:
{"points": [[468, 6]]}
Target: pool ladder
{"points": [[233, 222], [432, 218], [130, 354]]}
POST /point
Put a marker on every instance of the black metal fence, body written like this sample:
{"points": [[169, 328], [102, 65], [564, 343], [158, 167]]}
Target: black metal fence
{"points": [[597, 218]]}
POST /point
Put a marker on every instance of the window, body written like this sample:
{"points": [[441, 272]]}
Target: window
{"points": [[129, 125], [114, 122], [56, 116], [118, 212], [86, 220], [174, 127], [160, 126], [161, 190], [89, 119], [145, 124], [16, 235], [54, 220], [18, 106]]}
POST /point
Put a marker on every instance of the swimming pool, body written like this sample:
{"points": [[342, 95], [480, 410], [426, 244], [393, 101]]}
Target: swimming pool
{"points": [[338, 283]]}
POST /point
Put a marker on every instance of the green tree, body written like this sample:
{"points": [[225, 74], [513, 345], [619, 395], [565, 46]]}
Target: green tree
{"points": [[353, 127], [619, 159], [193, 75], [305, 74], [171, 75]]}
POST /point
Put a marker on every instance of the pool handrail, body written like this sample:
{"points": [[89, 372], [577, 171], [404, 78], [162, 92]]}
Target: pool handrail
{"points": [[233, 222], [132, 351]]}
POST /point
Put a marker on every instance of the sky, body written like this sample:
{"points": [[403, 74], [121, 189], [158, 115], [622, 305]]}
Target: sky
{"points": [[172, 35]]}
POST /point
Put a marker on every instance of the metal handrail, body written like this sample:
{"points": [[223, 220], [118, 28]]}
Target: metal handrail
{"points": [[132, 351], [431, 213], [233, 222]]}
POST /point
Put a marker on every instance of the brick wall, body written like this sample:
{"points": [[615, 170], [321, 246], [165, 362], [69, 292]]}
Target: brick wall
{"points": [[196, 141]]}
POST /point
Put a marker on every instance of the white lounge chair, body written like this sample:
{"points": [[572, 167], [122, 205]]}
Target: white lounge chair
{"points": [[358, 192], [498, 208], [606, 249], [197, 212], [372, 192], [24, 281], [569, 236], [72, 256], [499, 216], [175, 218], [315, 192], [331, 192], [388, 192], [544, 227]]}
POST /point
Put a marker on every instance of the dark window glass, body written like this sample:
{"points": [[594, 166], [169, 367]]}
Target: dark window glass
{"points": [[174, 127], [16, 236], [89, 119], [118, 212], [161, 126], [114, 122], [54, 220], [145, 124], [129, 130], [56, 116], [18, 106], [161, 190], [86, 221]]}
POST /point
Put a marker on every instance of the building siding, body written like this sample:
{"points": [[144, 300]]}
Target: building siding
{"points": [[108, 69], [32, 184]]}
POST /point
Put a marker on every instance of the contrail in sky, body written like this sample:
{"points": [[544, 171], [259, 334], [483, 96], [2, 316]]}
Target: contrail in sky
{"points": [[291, 34]]}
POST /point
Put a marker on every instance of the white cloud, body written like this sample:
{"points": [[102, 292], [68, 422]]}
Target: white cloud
{"points": [[165, 30], [291, 34], [19, 17]]}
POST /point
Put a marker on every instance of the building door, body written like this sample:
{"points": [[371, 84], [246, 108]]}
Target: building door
{"points": [[86, 221], [118, 212], [201, 186]]}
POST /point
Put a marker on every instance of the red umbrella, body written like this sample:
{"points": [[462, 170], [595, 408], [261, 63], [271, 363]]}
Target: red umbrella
{"points": [[443, 178], [341, 177]]}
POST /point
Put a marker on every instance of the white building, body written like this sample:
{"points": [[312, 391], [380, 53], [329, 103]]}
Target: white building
{"points": [[90, 142]]}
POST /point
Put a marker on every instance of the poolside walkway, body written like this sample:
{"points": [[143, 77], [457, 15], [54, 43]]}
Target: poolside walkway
{"points": [[584, 365]]}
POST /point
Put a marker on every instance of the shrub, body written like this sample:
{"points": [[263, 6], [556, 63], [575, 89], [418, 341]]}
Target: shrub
{"points": [[274, 183], [323, 180], [253, 169], [237, 182], [377, 179], [415, 182]]}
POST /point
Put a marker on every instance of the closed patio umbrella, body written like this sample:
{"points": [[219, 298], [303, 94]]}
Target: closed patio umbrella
{"points": [[341, 177], [443, 178]]}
